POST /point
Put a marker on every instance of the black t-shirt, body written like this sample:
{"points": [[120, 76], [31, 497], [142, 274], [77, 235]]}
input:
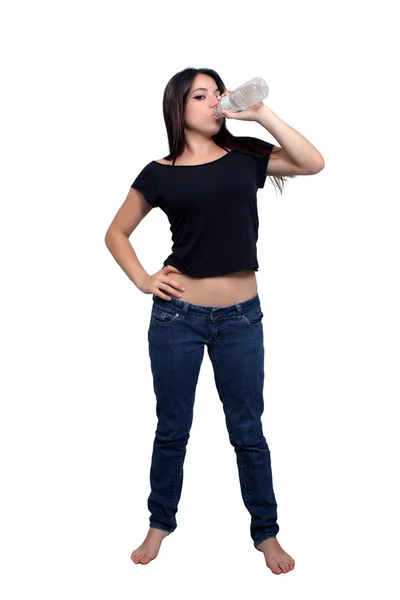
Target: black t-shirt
{"points": [[211, 208]]}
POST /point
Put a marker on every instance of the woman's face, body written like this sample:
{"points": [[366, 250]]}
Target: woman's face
{"points": [[200, 105]]}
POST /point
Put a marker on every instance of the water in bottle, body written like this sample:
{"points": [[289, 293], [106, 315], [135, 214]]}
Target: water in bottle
{"points": [[242, 97]]}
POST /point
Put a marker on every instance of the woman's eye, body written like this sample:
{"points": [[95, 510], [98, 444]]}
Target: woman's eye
{"points": [[195, 97]]}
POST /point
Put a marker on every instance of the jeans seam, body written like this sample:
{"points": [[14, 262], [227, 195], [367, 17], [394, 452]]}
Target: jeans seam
{"points": [[240, 463], [182, 460], [173, 498], [244, 473]]}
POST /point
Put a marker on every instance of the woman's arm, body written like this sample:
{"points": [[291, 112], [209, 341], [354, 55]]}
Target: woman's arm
{"points": [[296, 151]]}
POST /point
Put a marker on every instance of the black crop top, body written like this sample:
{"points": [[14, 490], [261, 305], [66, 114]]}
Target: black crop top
{"points": [[211, 208]]}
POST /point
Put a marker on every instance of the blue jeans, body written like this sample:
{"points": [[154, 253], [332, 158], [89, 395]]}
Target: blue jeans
{"points": [[233, 335]]}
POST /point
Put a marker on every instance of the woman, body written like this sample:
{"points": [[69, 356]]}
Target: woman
{"points": [[206, 292]]}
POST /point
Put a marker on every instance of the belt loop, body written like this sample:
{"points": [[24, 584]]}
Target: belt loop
{"points": [[238, 309]]}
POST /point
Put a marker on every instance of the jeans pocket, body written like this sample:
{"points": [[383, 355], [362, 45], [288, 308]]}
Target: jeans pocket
{"points": [[254, 317], [162, 317]]}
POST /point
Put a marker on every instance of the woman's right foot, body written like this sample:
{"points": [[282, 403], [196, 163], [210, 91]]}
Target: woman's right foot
{"points": [[276, 558], [148, 550]]}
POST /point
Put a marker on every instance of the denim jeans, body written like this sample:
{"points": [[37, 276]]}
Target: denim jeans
{"points": [[177, 334]]}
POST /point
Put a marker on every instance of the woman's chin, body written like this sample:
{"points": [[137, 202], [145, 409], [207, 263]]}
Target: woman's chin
{"points": [[217, 124]]}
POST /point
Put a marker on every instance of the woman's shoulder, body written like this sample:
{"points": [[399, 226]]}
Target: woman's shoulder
{"points": [[162, 161]]}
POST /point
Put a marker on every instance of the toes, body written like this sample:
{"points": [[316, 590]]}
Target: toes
{"points": [[135, 556], [277, 568]]}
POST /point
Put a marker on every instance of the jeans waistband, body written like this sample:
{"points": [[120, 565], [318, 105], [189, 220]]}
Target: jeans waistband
{"points": [[175, 305]]}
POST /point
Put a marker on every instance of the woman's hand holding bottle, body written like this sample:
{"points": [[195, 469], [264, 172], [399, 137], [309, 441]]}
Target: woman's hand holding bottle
{"points": [[245, 103], [248, 114]]}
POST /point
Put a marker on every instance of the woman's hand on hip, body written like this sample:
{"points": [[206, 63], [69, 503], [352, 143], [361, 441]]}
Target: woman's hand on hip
{"points": [[161, 284]]}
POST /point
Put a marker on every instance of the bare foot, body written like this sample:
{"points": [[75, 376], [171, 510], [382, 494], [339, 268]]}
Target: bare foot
{"points": [[276, 558], [150, 547]]}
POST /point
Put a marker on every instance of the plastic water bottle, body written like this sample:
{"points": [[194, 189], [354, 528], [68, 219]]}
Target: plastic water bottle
{"points": [[242, 97]]}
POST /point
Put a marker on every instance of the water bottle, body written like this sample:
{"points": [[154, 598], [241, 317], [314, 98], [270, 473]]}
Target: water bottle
{"points": [[242, 97]]}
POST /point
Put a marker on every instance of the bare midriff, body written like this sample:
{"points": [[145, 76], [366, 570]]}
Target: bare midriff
{"points": [[216, 291]]}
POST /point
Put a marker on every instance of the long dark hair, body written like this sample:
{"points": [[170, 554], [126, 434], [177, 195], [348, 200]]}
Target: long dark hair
{"points": [[174, 99]]}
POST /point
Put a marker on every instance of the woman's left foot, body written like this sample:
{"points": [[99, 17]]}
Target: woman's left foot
{"points": [[276, 558]]}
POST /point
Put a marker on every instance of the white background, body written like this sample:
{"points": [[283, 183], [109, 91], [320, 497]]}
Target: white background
{"points": [[82, 86]]}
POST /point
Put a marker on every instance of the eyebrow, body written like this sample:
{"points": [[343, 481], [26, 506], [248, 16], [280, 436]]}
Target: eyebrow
{"points": [[205, 89]]}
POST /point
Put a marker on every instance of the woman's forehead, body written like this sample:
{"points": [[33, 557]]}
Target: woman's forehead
{"points": [[204, 82]]}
